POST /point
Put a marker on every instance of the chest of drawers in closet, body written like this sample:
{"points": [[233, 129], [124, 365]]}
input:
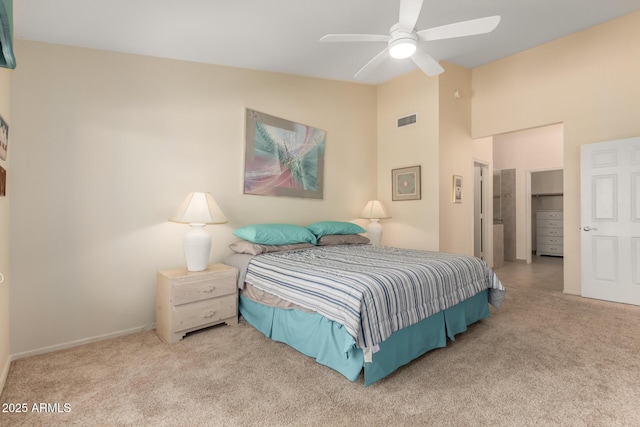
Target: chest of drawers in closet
{"points": [[549, 233]]}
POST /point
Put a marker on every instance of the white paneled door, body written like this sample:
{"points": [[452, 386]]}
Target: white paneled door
{"points": [[610, 220]]}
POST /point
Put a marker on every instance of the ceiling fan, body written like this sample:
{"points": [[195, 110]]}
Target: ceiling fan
{"points": [[403, 38]]}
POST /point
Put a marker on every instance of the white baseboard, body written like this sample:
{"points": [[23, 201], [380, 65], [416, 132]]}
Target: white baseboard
{"points": [[76, 343], [5, 373]]}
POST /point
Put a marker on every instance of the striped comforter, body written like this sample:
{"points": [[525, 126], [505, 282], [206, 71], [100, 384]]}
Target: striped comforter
{"points": [[373, 290]]}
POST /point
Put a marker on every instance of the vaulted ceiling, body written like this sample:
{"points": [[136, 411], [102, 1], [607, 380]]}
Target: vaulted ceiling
{"points": [[283, 35]]}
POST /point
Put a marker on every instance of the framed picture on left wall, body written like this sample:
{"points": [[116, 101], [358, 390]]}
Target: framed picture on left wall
{"points": [[4, 138], [3, 182]]}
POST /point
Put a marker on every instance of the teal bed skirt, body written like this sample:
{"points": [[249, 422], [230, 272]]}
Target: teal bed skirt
{"points": [[329, 343]]}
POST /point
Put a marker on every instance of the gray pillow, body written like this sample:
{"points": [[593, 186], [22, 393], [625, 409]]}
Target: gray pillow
{"points": [[246, 247], [343, 239]]}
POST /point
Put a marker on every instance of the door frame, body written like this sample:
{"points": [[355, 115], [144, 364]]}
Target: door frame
{"points": [[487, 186], [528, 213]]}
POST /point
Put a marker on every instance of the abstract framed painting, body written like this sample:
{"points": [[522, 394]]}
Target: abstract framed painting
{"points": [[406, 183], [283, 158]]}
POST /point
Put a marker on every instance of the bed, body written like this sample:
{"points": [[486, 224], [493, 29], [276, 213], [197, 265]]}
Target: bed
{"points": [[357, 307]]}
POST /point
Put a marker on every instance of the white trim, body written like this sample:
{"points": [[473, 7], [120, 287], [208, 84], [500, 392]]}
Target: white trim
{"points": [[5, 373], [527, 217], [83, 341]]}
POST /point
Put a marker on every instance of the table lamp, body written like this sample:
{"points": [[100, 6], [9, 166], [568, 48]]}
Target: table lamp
{"points": [[374, 211], [198, 210]]}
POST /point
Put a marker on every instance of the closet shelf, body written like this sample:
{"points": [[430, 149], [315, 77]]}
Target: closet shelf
{"points": [[546, 194]]}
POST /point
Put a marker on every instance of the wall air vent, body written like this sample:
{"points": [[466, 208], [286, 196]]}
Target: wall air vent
{"points": [[408, 120]]}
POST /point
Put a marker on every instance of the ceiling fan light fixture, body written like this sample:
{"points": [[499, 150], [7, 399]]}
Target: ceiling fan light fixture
{"points": [[403, 38], [402, 48]]}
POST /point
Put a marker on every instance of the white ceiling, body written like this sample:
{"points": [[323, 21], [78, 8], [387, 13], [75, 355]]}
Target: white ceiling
{"points": [[282, 35]]}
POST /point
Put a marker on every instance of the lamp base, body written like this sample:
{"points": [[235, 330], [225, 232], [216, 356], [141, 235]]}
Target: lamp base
{"points": [[197, 247], [374, 232]]}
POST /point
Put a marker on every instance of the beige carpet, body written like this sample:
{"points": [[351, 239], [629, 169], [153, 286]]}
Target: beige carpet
{"points": [[545, 358]]}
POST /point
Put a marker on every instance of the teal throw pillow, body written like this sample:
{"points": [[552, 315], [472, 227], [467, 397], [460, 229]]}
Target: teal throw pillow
{"points": [[325, 228], [275, 234]]}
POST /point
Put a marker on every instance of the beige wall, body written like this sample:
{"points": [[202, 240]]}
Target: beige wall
{"points": [[588, 81], [414, 223], [525, 151], [456, 158], [107, 145], [5, 96], [547, 182], [440, 142]]}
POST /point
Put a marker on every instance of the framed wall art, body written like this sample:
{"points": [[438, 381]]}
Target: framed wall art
{"points": [[405, 183], [457, 189], [7, 58], [283, 158], [3, 182], [4, 138]]}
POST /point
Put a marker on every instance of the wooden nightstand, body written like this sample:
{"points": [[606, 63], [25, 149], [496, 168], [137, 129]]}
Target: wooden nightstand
{"points": [[191, 300]]}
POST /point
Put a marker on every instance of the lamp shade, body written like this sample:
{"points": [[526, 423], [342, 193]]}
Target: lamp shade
{"points": [[374, 210], [199, 208]]}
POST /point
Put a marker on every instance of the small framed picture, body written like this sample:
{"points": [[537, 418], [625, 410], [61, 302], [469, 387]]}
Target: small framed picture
{"points": [[457, 189], [3, 181], [405, 183], [4, 138]]}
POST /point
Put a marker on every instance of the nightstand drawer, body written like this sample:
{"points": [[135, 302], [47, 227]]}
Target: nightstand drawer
{"points": [[203, 289], [204, 312]]}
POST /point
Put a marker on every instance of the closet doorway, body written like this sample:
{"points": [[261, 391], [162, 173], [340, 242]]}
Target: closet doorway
{"points": [[545, 213], [528, 152]]}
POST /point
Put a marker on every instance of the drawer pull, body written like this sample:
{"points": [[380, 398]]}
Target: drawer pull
{"points": [[210, 289], [208, 314]]}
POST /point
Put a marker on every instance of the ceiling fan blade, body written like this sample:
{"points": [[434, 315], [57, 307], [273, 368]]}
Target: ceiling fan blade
{"points": [[426, 63], [460, 29], [355, 38], [409, 13], [372, 65]]}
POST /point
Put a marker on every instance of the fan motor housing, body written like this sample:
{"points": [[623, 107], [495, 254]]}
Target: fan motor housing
{"points": [[402, 44]]}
